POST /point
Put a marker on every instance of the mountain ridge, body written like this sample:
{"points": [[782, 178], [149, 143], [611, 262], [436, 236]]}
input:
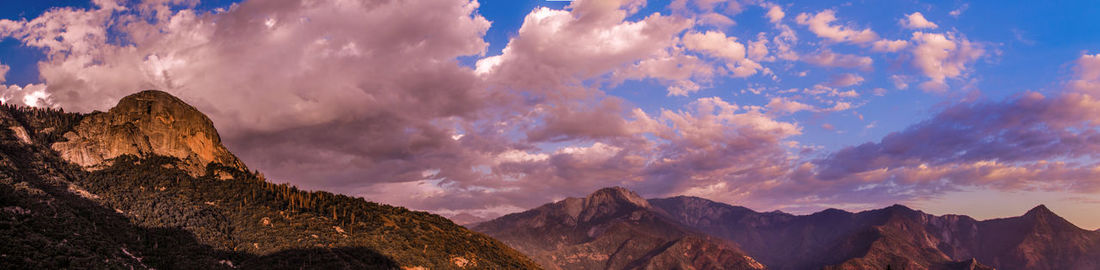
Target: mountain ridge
{"points": [[895, 236], [176, 198], [955, 239], [611, 228]]}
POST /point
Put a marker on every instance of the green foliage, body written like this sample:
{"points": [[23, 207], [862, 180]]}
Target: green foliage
{"points": [[251, 215], [46, 125]]}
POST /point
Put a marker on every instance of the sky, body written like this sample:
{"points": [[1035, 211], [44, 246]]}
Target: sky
{"points": [[475, 109]]}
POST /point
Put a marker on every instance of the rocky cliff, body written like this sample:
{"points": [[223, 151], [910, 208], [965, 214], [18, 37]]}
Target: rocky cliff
{"points": [[143, 124]]}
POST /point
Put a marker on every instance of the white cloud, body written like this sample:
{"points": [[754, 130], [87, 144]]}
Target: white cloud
{"points": [[916, 20], [555, 48], [513, 155], [900, 82], [940, 56], [783, 106], [1088, 75], [845, 80], [717, 44], [758, 50], [828, 58], [885, 45], [775, 13], [822, 25], [33, 95]]}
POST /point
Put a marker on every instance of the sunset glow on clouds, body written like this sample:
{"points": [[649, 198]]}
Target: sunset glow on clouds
{"points": [[440, 105]]}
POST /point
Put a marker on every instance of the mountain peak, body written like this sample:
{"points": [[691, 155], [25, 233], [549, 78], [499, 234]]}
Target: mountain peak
{"points": [[148, 123], [899, 209], [1043, 215], [617, 195], [1039, 210]]}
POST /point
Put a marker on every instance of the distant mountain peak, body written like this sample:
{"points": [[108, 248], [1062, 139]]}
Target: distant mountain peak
{"points": [[616, 195], [832, 212], [1040, 210], [612, 228], [898, 209], [1043, 215]]}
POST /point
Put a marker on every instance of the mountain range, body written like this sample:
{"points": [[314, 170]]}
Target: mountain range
{"points": [[148, 184], [602, 226]]}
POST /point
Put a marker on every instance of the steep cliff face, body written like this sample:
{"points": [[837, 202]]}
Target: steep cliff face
{"points": [[148, 123], [612, 228]]}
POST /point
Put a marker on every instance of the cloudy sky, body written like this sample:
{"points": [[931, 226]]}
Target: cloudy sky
{"points": [[481, 108]]}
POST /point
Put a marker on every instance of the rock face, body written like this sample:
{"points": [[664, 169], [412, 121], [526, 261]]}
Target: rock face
{"points": [[896, 236], [612, 228], [148, 123]]}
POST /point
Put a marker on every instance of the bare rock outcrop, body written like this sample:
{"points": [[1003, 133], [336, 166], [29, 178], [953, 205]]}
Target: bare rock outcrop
{"points": [[148, 123]]}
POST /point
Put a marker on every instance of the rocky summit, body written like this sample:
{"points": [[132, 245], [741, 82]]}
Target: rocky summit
{"points": [[612, 228], [144, 124]]}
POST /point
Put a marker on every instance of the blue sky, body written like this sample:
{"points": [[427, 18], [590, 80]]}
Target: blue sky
{"points": [[664, 97]]}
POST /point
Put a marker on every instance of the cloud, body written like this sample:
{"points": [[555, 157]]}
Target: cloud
{"points": [[303, 93], [717, 44], [844, 80], [960, 10], [889, 45], [33, 95], [942, 56], [4, 72], [683, 73], [916, 20], [827, 58], [1028, 141], [900, 82], [296, 88], [556, 48], [783, 106], [1003, 144], [1087, 69], [822, 25], [775, 13]]}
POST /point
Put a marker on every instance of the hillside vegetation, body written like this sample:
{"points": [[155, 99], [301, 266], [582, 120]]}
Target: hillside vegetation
{"points": [[147, 211]]}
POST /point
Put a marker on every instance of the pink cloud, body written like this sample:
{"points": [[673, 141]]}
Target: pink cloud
{"points": [[827, 58], [943, 56], [916, 20], [822, 24]]}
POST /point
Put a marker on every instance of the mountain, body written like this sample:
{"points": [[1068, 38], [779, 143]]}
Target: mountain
{"points": [[148, 123], [149, 185], [897, 236], [612, 228]]}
